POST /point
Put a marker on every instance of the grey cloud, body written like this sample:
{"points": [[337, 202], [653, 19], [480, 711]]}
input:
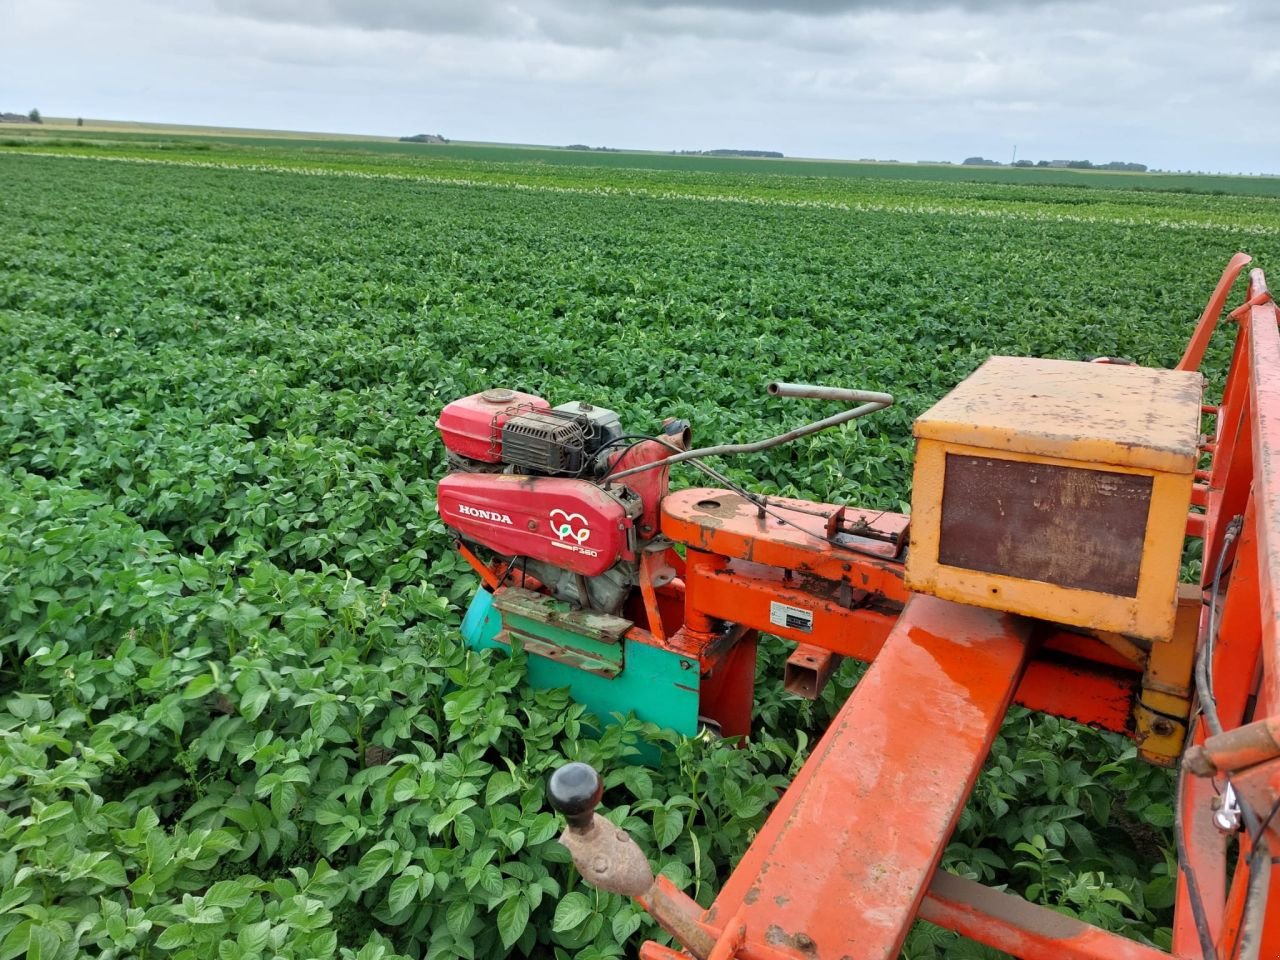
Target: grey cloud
{"points": [[607, 23], [1167, 82], [472, 17], [830, 8]]}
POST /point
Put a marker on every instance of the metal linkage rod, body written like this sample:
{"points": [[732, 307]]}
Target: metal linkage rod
{"points": [[868, 402]]}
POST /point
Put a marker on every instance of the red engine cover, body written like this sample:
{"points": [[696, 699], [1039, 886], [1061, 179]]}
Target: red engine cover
{"points": [[570, 523], [472, 426]]}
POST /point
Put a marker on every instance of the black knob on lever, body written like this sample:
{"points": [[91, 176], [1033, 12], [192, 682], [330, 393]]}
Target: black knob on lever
{"points": [[609, 860], [575, 790]]}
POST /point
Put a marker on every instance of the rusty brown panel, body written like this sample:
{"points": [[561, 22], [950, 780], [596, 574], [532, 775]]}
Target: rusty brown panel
{"points": [[1068, 526]]}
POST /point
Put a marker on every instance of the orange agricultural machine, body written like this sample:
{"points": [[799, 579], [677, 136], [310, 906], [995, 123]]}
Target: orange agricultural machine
{"points": [[1040, 565]]}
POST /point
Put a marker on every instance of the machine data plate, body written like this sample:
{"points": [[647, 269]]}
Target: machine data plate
{"points": [[793, 618]]}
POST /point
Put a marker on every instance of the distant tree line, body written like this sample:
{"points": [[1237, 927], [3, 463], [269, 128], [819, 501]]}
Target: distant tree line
{"points": [[771, 154], [32, 117], [1060, 164]]}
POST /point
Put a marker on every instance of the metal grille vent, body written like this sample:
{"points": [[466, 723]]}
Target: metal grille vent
{"points": [[547, 442]]}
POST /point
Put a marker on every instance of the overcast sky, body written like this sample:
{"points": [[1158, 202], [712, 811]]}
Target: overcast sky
{"points": [[1169, 83]]}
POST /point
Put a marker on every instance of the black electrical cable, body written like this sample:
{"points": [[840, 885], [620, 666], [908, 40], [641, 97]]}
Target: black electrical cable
{"points": [[1249, 938], [1198, 915], [1270, 816], [1204, 663], [635, 441], [507, 572], [1253, 916]]}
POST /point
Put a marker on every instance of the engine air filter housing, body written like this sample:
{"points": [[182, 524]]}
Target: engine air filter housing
{"points": [[545, 441], [1058, 489]]}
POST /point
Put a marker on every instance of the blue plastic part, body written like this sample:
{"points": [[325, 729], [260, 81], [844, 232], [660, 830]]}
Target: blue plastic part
{"points": [[482, 622]]}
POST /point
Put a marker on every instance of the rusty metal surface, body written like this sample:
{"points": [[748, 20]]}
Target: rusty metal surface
{"points": [[1244, 481], [601, 627], [1236, 749], [1138, 417], [841, 866], [728, 524], [808, 669], [1071, 676], [1026, 930], [679, 916], [608, 858], [561, 653], [1259, 786], [1072, 527], [1265, 395]]}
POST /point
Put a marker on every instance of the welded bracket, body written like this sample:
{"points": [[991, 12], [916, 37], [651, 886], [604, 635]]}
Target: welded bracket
{"points": [[808, 669], [1162, 708]]}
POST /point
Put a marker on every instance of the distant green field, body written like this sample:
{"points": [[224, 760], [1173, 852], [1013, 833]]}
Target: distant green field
{"points": [[414, 153]]}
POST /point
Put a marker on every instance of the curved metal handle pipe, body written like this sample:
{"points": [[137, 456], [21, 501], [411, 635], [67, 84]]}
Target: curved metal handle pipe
{"points": [[868, 402], [837, 394]]}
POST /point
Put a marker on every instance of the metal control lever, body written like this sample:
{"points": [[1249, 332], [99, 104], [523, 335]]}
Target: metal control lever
{"points": [[610, 860], [605, 855]]}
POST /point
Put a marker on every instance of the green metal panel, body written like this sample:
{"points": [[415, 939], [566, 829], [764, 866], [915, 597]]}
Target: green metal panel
{"points": [[572, 649], [658, 686]]}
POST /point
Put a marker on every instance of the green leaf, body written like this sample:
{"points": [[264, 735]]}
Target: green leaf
{"points": [[232, 894], [373, 867], [30, 939], [323, 713], [175, 936], [253, 701], [14, 898], [667, 826], [572, 910], [404, 890], [200, 686], [1160, 893], [459, 916], [624, 923], [501, 784], [110, 872], [513, 917], [253, 937]]}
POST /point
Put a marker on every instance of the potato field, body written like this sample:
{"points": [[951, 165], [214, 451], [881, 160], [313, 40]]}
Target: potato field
{"points": [[236, 716]]}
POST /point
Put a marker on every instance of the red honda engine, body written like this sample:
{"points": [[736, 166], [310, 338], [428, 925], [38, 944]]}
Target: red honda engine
{"points": [[530, 483]]}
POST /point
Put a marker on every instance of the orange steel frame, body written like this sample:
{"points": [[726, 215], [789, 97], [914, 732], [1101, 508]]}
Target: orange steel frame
{"points": [[848, 859]]}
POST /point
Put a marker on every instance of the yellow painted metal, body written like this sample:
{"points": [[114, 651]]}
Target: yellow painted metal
{"points": [[1132, 650], [1160, 713], [1126, 420], [1089, 413], [1160, 738], [1169, 665]]}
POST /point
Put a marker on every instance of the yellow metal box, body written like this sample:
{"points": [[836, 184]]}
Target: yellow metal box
{"points": [[1058, 489]]}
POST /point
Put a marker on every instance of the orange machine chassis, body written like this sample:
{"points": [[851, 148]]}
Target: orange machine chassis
{"points": [[847, 860]]}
